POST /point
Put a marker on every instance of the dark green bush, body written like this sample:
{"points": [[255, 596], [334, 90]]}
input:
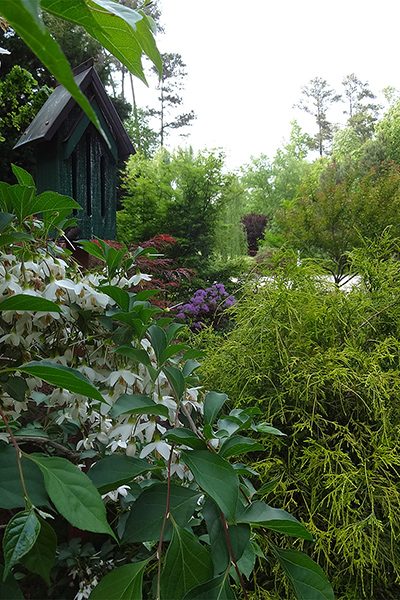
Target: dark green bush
{"points": [[324, 365]]}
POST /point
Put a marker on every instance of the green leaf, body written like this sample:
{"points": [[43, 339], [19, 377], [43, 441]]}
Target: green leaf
{"points": [[72, 493], [123, 583], [137, 354], [176, 380], [24, 18], [214, 589], [239, 536], [137, 404], [115, 470], [265, 428], [307, 578], [9, 589], [23, 177], [62, 377], [120, 296], [187, 564], [29, 303], [19, 537], [16, 387], [239, 445], [158, 340], [216, 477], [114, 26], [213, 403], [11, 494], [184, 436], [171, 351], [259, 513], [147, 513], [5, 220], [40, 559]]}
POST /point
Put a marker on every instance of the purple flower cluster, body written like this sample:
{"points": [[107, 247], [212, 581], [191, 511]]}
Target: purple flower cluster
{"points": [[205, 306]]}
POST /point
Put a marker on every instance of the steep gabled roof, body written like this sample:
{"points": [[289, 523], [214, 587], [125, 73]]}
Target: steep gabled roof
{"points": [[58, 106]]}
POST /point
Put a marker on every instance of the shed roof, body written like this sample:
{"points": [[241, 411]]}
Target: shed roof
{"points": [[58, 106]]}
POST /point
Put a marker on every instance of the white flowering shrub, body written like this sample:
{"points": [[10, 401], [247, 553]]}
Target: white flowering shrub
{"points": [[118, 474]]}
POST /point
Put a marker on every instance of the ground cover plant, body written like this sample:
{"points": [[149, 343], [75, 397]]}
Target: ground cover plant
{"points": [[120, 476], [323, 366]]}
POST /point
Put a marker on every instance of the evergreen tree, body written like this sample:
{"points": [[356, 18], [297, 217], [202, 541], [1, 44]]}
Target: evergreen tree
{"points": [[317, 99], [362, 112]]}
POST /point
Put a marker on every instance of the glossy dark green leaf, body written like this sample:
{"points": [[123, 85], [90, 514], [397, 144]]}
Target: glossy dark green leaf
{"points": [[137, 354], [120, 296], [176, 380], [117, 469], [73, 493], [184, 436], [190, 366], [259, 513], [24, 18], [239, 536], [237, 445], [62, 377], [147, 513], [11, 494], [137, 404], [266, 428], [123, 583], [29, 303], [216, 477], [307, 578], [16, 387], [9, 589], [214, 589], [40, 559], [213, 403], [187, 564], [19, 538], [171, 351]]}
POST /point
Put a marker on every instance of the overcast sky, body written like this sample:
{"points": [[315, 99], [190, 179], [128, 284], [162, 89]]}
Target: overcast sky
{"points": [[247, 62]]}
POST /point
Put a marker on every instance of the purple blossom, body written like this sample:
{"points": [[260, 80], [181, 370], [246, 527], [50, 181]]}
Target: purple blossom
{"points": [[205, 306]]}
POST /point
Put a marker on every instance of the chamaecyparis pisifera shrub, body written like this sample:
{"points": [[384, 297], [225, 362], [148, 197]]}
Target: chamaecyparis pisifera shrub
{"points": [[323, 365], [119, 475]]}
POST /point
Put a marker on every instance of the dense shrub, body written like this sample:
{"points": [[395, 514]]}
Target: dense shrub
{"points": [[254, 226], [324, 366]]}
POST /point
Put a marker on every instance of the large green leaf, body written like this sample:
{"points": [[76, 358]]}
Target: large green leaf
{"points": [[239, 536], [184, 436], [147, 513], [9, 589], [216, 477], [123, 583], [24, 18], [237, 445], [158, 340], [126, 33], [115, 470], [187, 564], [19, 537], [5, 220], [137, 354], [213, 402], [29, 303], [137, 404], [73, 493], [307, 578], [11, 494], [40, 559], [214, 589], [120, 296], [62, 377], [259, 513]]}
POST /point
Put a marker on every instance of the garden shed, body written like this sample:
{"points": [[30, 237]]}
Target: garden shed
{"points": [[74, 158]]}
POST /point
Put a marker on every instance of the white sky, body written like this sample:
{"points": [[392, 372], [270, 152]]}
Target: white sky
{"points": [[247, 62]]}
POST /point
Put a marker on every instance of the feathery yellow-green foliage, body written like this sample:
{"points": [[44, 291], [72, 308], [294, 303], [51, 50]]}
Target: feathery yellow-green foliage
{"points": [[324, 366]]}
